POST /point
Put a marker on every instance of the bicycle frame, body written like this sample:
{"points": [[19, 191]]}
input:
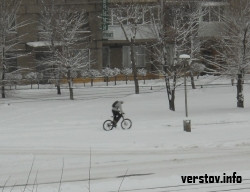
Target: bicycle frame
{"points": [[124, 122]]}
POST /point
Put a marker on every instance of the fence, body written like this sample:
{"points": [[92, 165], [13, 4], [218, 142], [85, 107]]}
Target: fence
{"points": [[12, 84]]}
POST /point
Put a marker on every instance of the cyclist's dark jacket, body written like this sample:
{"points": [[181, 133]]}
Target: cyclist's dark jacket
{"points": [[117, 106]]}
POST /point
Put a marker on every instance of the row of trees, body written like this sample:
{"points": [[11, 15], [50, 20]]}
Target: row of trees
{"points": [[19, 78], [175, 30], [65, 29]]}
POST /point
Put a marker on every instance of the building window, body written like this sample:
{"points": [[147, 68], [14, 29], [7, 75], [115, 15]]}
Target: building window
{"points": [[139, 57], [126, 59], [105, 57]]}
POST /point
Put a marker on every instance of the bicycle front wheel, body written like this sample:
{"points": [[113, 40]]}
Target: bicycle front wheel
{"points": [[108, 125], [126, 124]]}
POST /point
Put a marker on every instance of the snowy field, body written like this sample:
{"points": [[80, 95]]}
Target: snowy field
{"points": [[49, 143]]}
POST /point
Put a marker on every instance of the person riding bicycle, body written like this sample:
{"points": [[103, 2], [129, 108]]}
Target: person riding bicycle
{"points": [[117, 111]]}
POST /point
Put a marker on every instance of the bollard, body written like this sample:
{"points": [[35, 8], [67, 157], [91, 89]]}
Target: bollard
{"points": [[187, 125]]}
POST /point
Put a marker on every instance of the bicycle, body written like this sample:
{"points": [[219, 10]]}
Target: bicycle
{"points": [[125, 124]]}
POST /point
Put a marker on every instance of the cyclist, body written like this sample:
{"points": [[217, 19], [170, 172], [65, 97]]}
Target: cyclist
{"points": [[117, 111]]}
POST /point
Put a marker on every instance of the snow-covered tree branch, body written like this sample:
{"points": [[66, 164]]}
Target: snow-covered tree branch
{"points": [[176, 33], [233, 50], [129, 15], [68, 36], [9, 38]]}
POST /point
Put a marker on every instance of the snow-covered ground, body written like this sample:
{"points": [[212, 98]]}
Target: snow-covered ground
{"points": [[64, 138]]}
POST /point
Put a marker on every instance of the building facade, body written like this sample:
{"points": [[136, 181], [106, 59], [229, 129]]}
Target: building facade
{"points": [[108, 46]]}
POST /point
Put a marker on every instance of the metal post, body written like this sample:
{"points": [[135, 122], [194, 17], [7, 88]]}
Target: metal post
{"points": [[185, 84], [186, 122]]}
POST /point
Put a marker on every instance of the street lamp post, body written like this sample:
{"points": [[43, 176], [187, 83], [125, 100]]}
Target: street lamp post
{"points": [[186, 122]]}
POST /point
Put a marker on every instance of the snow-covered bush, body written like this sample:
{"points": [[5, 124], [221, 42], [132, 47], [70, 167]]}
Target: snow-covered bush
{"points": [[127, 72], [84, 74], [142, 72], [31, 76], [13, 78], [107, 72], [116, 72], [74, 74], [34, 76], [93, 73], [197, 68]]}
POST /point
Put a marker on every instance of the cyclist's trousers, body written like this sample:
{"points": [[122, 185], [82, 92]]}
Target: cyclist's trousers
{"points": [[117, 115]]}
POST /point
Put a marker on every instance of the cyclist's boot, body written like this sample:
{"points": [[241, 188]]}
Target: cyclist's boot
{"points": [[114, 124]]}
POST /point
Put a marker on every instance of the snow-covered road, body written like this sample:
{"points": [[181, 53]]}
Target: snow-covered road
{"points": [[41, 138], [158, 166]]}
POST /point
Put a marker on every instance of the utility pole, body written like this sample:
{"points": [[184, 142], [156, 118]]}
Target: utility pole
{"points": [[186, 122]]}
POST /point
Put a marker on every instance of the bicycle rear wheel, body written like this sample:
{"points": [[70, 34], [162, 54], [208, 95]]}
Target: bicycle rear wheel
{"points": [[107, 125], [126, 124]]}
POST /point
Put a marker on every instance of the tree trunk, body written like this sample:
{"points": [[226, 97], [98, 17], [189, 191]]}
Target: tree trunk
{"points": [[134, 67], [171, 95], [3, 86], [232, 82], [171, 101], [58, 87], [71, 93], [70, 85], [192, 80], [3, 90], [240, 96], [3, 73]]}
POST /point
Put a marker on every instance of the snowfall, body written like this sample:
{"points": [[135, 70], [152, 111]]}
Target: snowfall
{"points": [[50, 143]]}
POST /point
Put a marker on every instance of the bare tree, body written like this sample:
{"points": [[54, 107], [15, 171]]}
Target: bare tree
{"points": [[234, 48], [176, 32], [67, 32], [9, 38], [48, 32], [130, 17]]}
